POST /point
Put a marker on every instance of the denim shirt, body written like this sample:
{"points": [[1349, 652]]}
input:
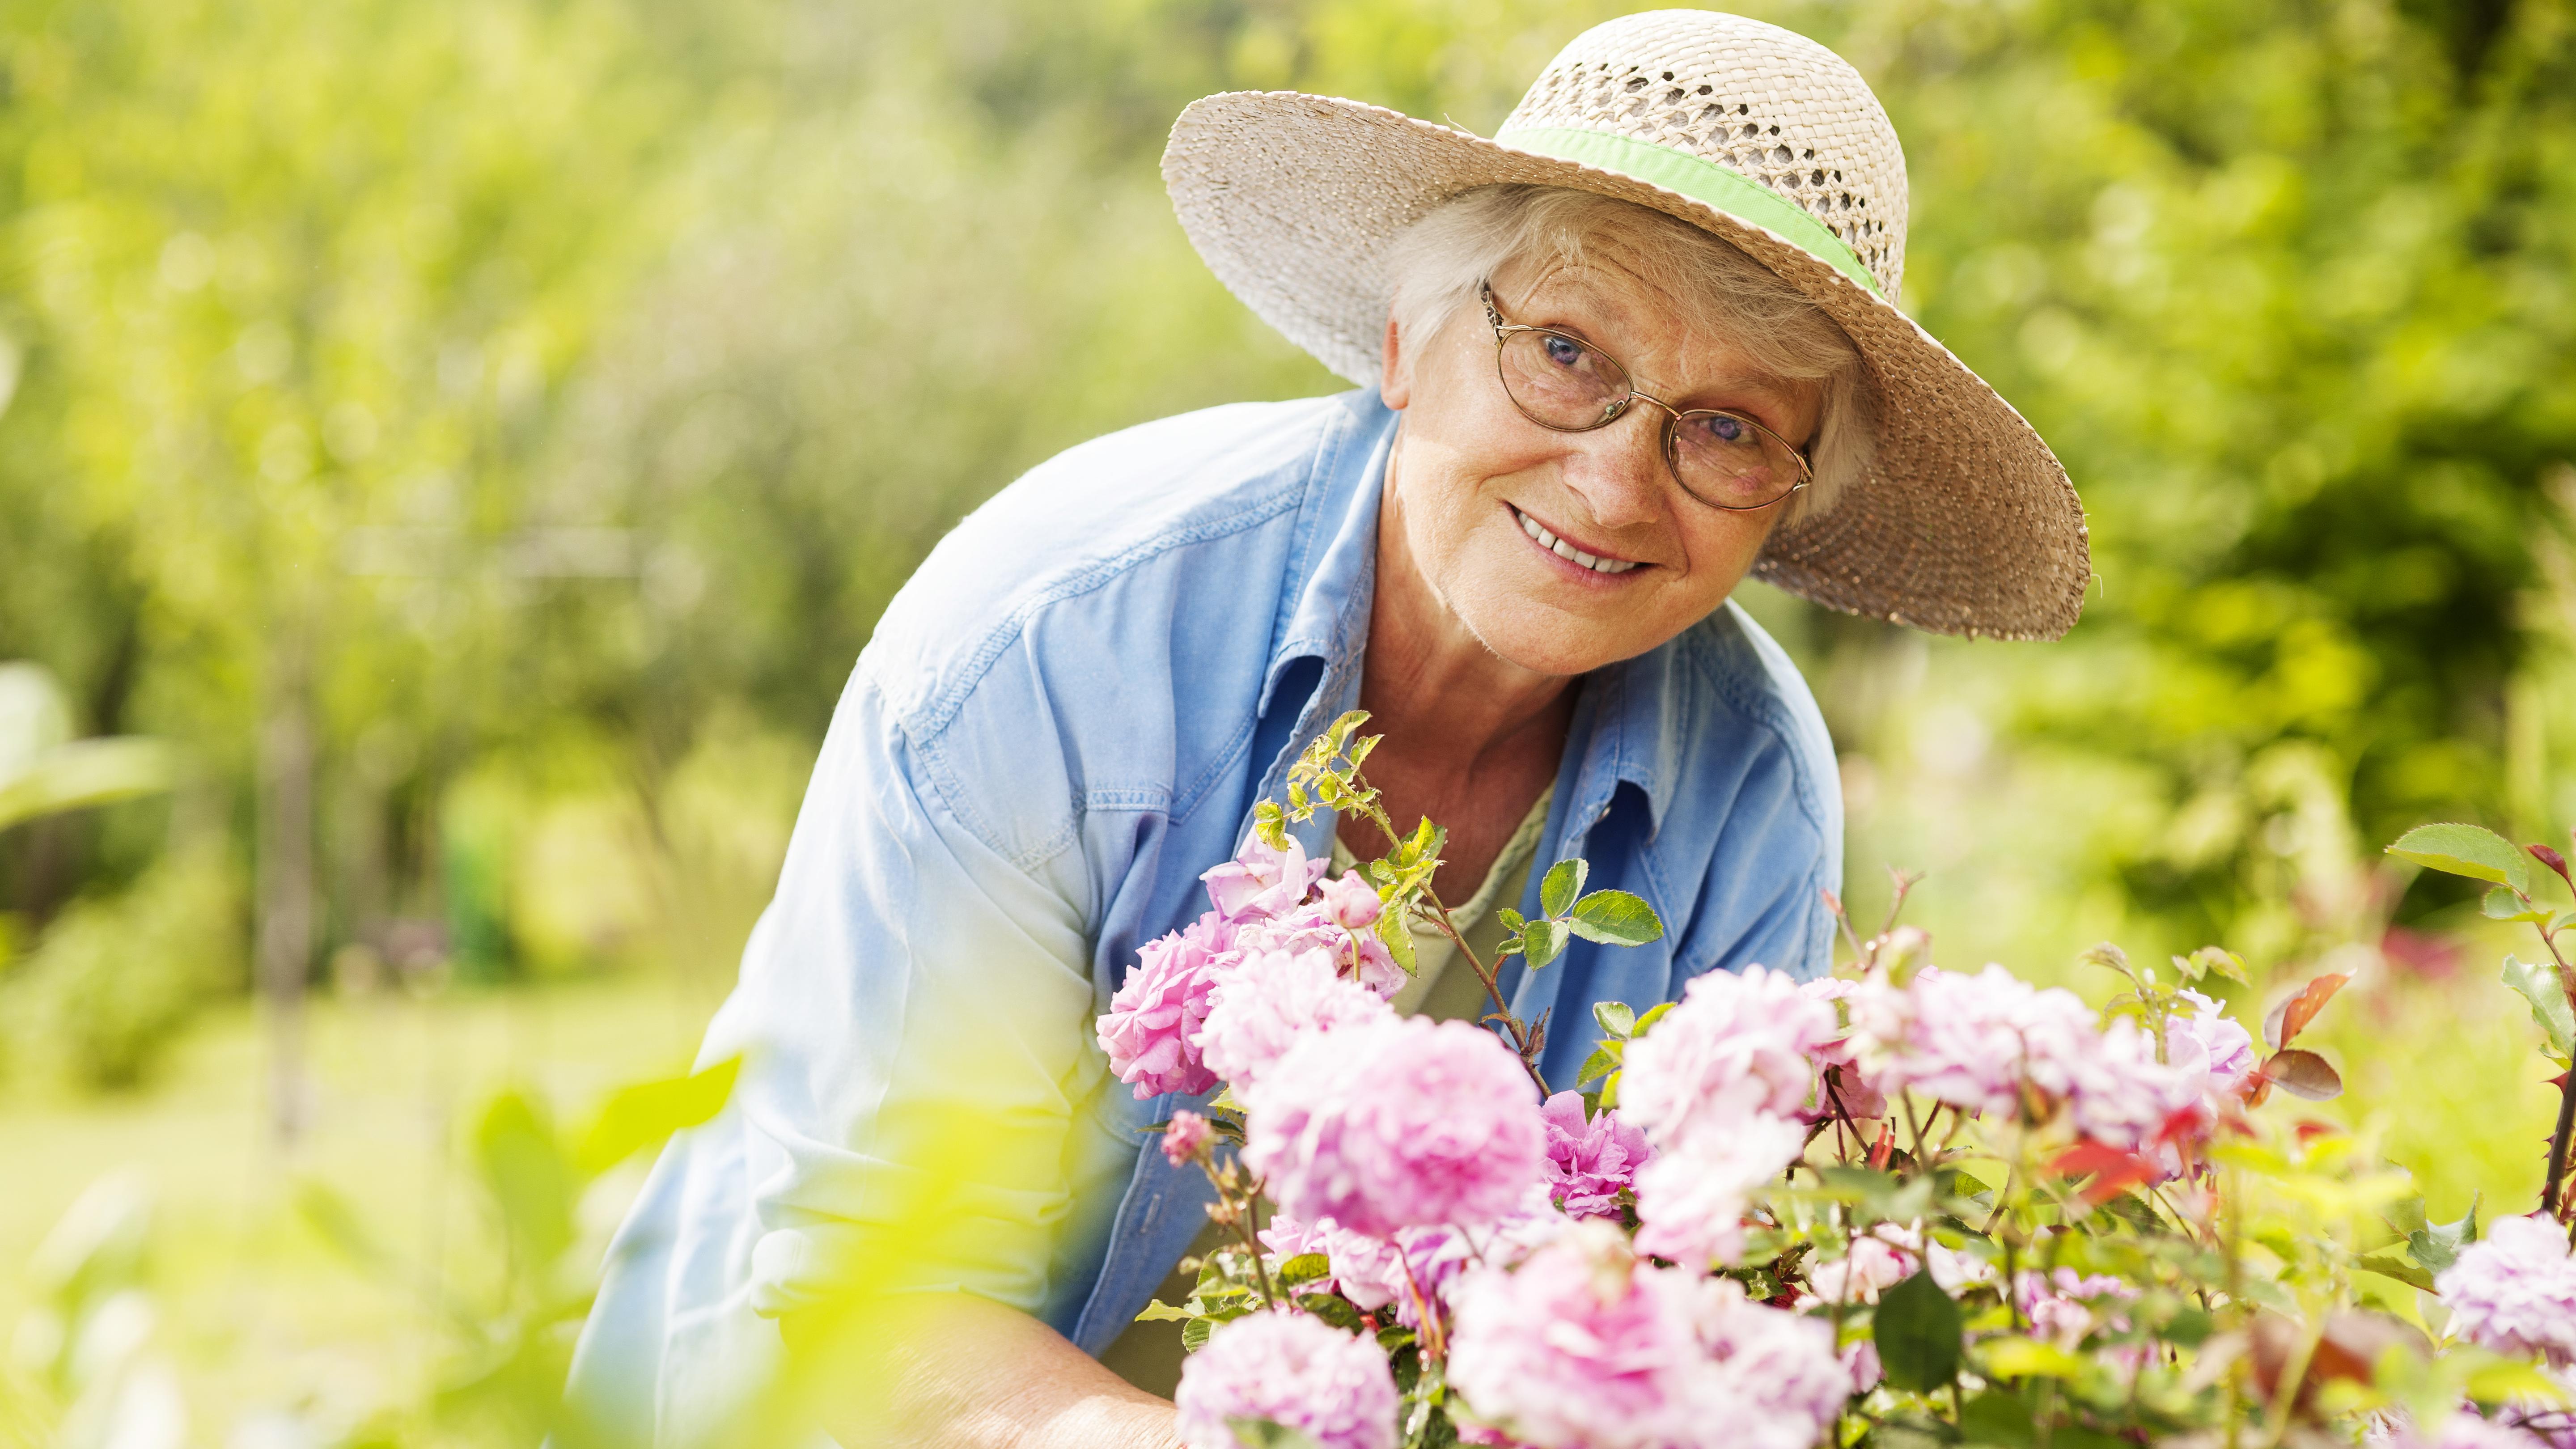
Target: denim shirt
{"points": [[1065, 716]]}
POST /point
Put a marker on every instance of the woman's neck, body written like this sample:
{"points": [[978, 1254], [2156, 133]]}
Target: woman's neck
{"points": [[1470, 738]]}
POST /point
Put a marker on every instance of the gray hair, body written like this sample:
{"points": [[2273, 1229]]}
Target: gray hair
{"points": [[1436, 264]]}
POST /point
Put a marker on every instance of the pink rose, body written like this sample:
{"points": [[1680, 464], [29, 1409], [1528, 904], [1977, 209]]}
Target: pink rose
{"points": [[1738, 1043], [1589, 1161], [1397, 1123], [1311, 927], [1691, 1200], [1294, 1371], [1268, 1003], [1352, 902], [1182, 1140], [1260, 881], [1153, 1021]]}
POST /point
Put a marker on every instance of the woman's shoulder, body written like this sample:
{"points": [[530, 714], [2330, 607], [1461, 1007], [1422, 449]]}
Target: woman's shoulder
{"points": [[1147, 505], [1767, 715]]}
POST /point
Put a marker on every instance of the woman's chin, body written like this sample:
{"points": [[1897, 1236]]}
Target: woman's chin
{"points": [[1548, 642]]}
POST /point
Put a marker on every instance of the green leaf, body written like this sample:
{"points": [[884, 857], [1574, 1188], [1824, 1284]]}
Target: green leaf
{"points": [[1646, 1023], [83, 773], [2436, 1246], [1543, 941], [1265, 1434], [1564, 882], [529, 1176], [1917, 1331], [1997, 1417], [646, 1115], [1304, 1268], [2110, 957], [2023, 1358], [1160, 1312], [342, 1225], [1857, 1184], [2501, 904], [1615, 1018], [2539, 986], [2190, 1328], [2388, 1265], [2215, 961], [1601, 1063], [1268, 823], [1397, 937], [1334, 1309], [1512, 920], [2497, 1382], [2468, 850], [1194, 1334], [1616, 918]]}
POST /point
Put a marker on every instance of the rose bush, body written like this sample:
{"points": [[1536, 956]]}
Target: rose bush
{"points": [[1899, 1205]]}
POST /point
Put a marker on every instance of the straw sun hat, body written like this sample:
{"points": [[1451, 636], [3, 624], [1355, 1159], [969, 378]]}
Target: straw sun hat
{"points": [[1965, 525]]}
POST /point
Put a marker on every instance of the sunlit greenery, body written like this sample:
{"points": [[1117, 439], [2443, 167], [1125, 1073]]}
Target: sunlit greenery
{"points": [[476, 439]]}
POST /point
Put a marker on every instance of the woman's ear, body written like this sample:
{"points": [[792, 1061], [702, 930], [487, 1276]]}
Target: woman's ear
{"points": [[1395, 380]]}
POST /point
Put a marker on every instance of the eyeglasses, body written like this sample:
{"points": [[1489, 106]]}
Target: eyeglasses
{"points": [[1567, 385]]}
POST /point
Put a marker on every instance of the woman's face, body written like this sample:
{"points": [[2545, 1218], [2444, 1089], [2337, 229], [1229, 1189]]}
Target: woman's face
{"points": [[1471, 475]]}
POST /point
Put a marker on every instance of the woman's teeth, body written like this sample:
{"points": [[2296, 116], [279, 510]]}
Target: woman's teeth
{"points": [[1567, 551]]}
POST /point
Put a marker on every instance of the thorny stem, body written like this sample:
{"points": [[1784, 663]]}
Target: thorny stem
{"points": [[2231, 1191], [2566, 1086], [2558, 1144], [1842, 918], [1917, 1124], [1435, 1340], [1904, 882], [2003, 1195], [1239, 1217], [1842, 1116]]}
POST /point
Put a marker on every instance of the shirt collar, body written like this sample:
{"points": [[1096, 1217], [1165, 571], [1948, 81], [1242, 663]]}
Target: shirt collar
{"points": [[1324, 612]]}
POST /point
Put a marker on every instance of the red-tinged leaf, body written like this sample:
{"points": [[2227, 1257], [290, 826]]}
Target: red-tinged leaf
{"points": [[2312, 1129], [2113, 1171], [2553, 860], [2303, 1074], [2181, 1125], [2282, 1025]]}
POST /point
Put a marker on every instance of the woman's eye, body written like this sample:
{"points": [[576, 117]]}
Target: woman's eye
{"points": [[1719, 428], [1563, 353]]}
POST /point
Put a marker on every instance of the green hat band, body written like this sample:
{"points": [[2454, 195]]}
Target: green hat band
{"points": [[1702, 181]]}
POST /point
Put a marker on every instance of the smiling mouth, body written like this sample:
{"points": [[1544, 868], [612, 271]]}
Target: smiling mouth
{"points": [[1539, 535]]}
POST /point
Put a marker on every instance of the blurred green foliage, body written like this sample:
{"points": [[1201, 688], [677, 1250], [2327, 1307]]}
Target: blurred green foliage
{"points": [[517, 390], [511, 1339], [120, 974]]}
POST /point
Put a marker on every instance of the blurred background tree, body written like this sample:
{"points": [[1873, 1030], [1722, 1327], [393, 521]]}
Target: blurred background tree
{"points": [[481, 436]]}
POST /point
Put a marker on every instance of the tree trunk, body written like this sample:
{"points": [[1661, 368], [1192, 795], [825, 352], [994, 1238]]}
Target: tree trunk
{"points": [[286, 893]]}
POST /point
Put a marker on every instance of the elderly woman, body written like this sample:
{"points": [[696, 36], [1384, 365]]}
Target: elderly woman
{"points": [[1639, 346]]}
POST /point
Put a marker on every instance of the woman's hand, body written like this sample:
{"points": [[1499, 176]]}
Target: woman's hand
{"points": [[959, 1372]]}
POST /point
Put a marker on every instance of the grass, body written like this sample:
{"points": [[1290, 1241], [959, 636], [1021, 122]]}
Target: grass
{"points": [[260, 1315]]}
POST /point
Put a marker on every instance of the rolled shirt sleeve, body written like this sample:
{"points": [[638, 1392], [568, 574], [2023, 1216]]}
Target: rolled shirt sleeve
{"points": [[919, 1075]]}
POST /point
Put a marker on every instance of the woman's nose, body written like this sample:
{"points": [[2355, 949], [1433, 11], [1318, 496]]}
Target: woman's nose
{"points": [[1618, 470]]}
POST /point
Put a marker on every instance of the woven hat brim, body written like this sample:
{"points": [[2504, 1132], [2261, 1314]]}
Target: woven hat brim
{"points": [[1966, 525]]}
